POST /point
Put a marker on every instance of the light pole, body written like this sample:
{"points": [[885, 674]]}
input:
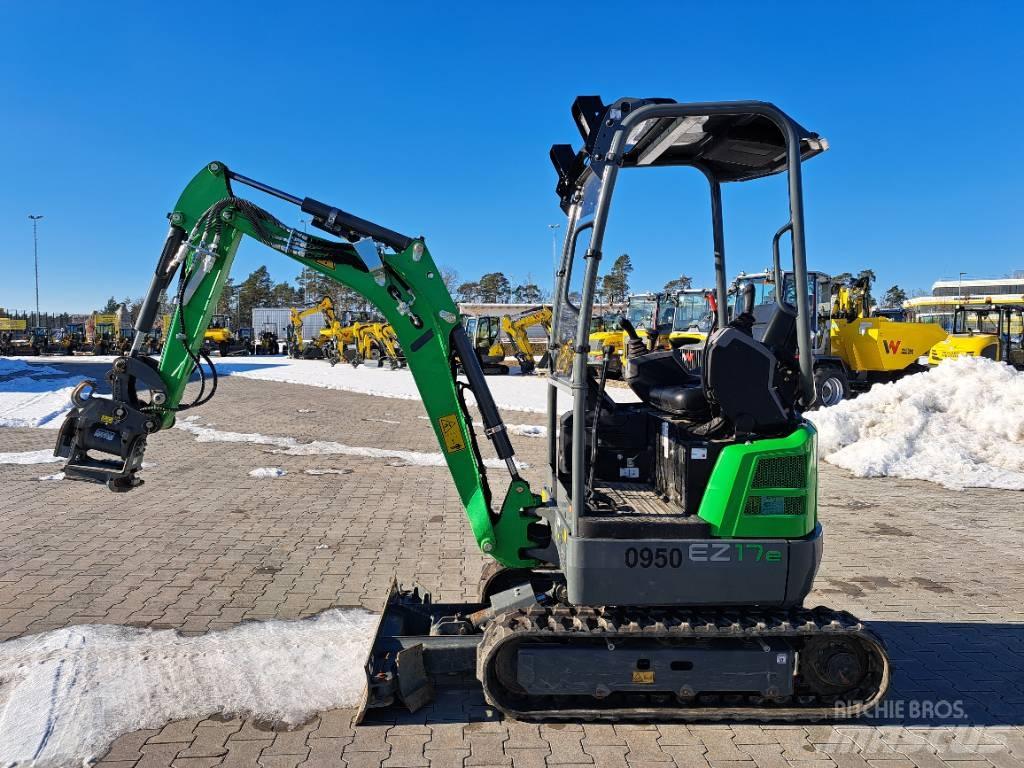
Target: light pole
{"points": [[960, 288], [554, 255], [554, 245], [35, 250], [305, 272]]}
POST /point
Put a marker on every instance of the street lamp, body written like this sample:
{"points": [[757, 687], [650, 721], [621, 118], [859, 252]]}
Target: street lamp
{"points": [[554, 251], [554, 244], [35, 249], [304, 276]]}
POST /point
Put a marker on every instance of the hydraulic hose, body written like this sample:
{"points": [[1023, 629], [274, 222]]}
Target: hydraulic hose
{"points": [[494, 428]]}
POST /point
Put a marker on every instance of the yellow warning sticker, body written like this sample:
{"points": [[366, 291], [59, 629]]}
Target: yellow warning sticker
{"points": [[644, 676], [452, 433]]}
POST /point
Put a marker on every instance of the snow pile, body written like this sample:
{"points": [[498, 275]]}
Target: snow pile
{"points": [[33, 395], [67, 694], [961, 425], [267, 472], [56, 476], [29, 457], [292, 447]]}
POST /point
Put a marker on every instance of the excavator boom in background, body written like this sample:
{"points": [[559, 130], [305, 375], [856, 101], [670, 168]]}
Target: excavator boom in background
{"points": [[663, 572], [517, 327], [298, 347]]}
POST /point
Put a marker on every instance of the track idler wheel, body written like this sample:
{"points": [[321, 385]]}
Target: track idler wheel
{"points": [[833, 666]]}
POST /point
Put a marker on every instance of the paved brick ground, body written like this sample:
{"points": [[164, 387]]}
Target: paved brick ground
{"points": [[203, 546]]}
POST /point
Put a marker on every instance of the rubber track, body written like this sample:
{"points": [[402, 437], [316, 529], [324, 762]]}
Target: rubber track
{"points": [[558, 622]]}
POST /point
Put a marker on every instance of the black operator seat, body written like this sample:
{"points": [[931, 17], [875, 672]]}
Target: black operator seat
{"points": [[660, 380], [743, 376]]}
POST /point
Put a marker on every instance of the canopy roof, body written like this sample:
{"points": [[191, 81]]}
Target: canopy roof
{"points": [[733, 141]]}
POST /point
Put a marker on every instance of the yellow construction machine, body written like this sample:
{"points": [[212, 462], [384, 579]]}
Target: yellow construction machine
{"points": [[376, 341], [646, 312], [693, 317], [517, 327], [313, 350], [853, 349], [222, 336], [484, 332], [984, 328], [101, 332]]}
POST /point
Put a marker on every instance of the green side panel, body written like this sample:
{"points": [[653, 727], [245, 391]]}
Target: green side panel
{"points": [[765, 489], [410, 293]]}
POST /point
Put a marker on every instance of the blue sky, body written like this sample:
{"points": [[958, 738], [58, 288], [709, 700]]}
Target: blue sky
{"points": [[437, 121]]}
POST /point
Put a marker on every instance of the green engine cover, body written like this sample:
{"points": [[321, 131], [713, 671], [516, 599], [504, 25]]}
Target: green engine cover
{"points": [[765, 489]]}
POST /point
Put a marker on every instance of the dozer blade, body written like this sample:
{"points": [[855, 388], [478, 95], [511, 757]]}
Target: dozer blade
{"points": [[419, 646]]}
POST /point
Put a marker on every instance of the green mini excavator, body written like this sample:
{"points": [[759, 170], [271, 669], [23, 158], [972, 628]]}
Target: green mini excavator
{"points": [[662, 573]]}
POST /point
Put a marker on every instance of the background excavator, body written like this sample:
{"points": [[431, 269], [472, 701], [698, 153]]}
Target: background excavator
{"points": [[376, 341], [298, 347], [517, 328], [484, 333], [662, 572]]}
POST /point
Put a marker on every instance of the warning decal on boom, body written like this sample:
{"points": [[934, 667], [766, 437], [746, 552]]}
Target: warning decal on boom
{"points": [[451, 433]]}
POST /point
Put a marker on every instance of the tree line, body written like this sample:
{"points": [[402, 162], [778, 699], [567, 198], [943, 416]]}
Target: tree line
{"points": [[259, 290]]}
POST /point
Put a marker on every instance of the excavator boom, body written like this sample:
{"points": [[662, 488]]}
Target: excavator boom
{"points": [[400, 278]]}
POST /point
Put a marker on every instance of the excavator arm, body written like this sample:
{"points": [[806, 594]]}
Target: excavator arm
{"points": [[104, 438]]}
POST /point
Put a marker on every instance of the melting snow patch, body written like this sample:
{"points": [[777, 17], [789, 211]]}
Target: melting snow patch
{"points": [[526, 430], [29, 457], [960, 425], [292, 447], [267, 472], [33, 395], [69, 693]]}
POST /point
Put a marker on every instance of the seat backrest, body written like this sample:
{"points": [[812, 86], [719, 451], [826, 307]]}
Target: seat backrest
{"points": [[739, 375], [775, 327]]}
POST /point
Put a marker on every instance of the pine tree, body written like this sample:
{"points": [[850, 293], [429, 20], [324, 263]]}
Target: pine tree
{"points": [[894, 297], [615, 284], [495, 288], [680, 283]]}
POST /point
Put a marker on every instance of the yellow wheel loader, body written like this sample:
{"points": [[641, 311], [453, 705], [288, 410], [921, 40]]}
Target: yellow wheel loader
{"points": [[101, 333], [990, 330], [222, 337]]}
